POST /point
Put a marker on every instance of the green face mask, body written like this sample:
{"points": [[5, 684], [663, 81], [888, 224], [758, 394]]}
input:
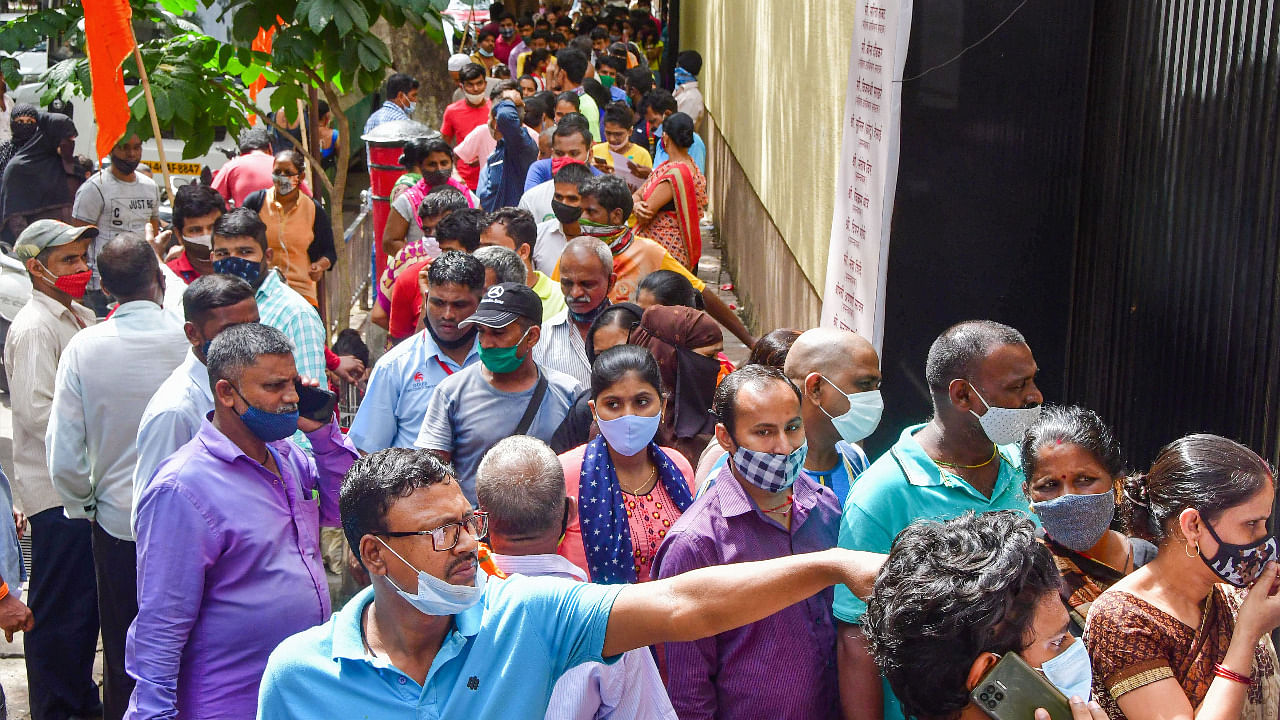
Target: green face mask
{"points": [[606, 81], [502, 360]]}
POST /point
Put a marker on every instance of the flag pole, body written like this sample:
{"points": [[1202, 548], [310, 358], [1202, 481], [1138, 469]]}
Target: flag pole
{"points": [[155, 121]]}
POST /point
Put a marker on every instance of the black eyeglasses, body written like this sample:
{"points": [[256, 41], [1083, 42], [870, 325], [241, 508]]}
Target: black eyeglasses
{"points": [[445, 537]]}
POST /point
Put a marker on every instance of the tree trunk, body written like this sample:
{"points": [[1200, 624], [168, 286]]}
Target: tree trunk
{"points": [[413, 53]]}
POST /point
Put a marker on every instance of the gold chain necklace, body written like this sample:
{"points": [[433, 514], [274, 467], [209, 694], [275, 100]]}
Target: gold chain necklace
{"points": [[646, 483]]}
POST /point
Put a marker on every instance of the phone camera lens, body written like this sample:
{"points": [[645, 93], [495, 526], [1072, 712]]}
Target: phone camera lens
{"points": [[991, 704], [999, 696], [984, 697]]}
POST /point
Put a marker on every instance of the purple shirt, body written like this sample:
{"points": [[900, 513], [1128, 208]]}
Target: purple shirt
{"points": [[783, 666], [228, 567]]}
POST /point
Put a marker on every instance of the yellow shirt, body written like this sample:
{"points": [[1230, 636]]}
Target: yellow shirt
{"points": [[618, 161]]}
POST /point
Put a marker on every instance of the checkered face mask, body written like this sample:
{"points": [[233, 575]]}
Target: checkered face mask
{"points": [[771, 472]]}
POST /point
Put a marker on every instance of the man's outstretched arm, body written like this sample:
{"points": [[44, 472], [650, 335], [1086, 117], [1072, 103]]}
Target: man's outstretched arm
{"points": [[712, 600]]}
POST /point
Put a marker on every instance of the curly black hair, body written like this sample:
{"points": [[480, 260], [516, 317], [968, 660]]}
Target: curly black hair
{"points": [[949, 592], [376, 481]]}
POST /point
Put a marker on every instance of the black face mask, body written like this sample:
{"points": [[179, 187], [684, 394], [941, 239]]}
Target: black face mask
{"points": [[435, 177], [463, 341], [566, 214], [22, 132], [124, 167]]}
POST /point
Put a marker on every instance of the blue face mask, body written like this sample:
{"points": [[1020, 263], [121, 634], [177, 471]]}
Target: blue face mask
{"points": [[630, 434], [247, 270], [268, 426], [204, 349]]}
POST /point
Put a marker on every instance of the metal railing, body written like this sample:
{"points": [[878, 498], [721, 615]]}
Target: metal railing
{"points": [[349, 282]]}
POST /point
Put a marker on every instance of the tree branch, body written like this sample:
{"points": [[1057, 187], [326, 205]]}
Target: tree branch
{"points": [[269, 119]]}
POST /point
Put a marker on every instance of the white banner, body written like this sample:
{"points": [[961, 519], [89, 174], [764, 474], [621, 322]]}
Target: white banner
{"points": [[868, 171]]}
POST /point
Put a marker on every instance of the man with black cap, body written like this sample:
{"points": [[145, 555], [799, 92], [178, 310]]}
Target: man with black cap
{"points": [[506, 394], [62, 593]]}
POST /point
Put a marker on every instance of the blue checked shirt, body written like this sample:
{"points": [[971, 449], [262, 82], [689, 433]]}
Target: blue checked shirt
{"points": [[281, 307]]}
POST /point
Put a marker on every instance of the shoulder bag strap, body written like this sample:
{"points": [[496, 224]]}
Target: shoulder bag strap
{"points": [[539, 391]]}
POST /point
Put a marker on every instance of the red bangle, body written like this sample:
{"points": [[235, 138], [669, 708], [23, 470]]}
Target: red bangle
{"points": [[1232, 675]]}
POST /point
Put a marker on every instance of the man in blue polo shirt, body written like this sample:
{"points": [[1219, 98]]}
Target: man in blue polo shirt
{"points": [[431, 638], [404, 379], [981, 375]]}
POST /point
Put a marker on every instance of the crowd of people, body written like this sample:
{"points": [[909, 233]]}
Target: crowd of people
{"points": [[558, 496]]}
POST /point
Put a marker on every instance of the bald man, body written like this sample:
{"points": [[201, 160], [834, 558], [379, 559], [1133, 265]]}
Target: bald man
{"points": [[838, 374]]}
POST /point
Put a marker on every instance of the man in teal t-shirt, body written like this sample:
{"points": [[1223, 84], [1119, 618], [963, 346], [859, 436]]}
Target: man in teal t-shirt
{"points": [[981, 375]]}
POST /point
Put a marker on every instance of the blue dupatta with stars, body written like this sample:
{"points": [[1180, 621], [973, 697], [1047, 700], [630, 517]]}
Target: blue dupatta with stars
{"points": [[606, 533]]}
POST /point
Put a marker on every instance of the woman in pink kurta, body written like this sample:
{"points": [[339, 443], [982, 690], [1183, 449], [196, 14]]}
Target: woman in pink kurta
{"points": [[629, 490]]}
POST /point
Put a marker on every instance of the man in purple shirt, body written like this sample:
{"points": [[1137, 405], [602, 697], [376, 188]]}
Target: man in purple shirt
{"points": [[228, 537], [761, 506]]}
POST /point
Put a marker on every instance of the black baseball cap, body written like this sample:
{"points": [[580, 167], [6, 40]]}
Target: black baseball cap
{"points": [[503, 303]]}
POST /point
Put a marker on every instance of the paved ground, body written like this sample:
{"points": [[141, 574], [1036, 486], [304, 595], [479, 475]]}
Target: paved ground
{"points": [[13, 676]]}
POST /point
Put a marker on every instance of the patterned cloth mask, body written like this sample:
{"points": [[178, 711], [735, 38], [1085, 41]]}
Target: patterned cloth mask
{"points": [[771, 472], [1005, 425], [1240, 565]]}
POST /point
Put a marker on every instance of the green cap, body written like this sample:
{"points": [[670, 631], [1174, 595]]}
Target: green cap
{"points": [[44, 234]]}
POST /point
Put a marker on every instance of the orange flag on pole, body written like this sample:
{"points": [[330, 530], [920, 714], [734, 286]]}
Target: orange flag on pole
{"points": [[108, 41], [261, 43]]}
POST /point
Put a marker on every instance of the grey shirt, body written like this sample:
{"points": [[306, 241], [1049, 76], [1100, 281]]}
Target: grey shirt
{"points": [[115, 207], [467, 416]]}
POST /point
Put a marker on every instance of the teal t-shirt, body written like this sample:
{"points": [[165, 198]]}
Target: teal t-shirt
{"points": [[905, 485]]}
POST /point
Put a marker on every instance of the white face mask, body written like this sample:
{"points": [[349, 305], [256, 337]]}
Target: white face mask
{"points": [[474, 99], [1005, 425], [436, 596], [205, 241], [863, 416], [1071, 672]]}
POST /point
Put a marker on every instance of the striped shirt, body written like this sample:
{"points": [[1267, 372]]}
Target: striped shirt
{"points": [[563, 348]]}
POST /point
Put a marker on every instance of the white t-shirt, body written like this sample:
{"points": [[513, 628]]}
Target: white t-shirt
{"points": [[114, 207], [6, 133], [549, 246], [537, 200]]}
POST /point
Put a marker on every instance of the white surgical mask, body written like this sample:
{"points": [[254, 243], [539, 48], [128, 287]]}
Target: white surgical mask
{"points": [[205, 241], [1005, 425], [863, 416], [474, 98], [1071, 672], [436, 596]]}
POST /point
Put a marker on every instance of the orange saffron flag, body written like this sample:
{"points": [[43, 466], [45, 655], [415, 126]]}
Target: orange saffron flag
{"points": [[261, 43], [108, 41]]}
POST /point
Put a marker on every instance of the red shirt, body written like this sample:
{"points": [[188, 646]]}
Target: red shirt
{"points": [[461, 118], [183, 267], [406, 301], [502, 50]]}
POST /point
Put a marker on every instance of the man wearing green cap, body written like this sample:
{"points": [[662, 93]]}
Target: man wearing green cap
{"points": [[62, 594]]}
